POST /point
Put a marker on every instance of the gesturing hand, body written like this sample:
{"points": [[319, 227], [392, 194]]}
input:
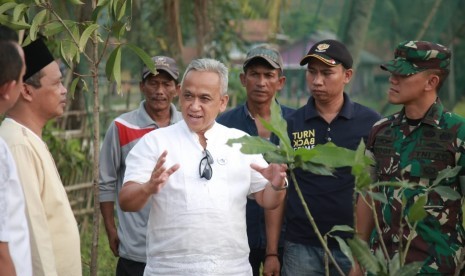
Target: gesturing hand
{"points": [[159, 175], [275, 173]]}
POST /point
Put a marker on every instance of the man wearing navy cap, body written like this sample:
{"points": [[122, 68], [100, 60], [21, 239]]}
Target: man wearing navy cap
{"points": [[328, 116], [262, 79], [54, 235], [414, 145], [128, 241]]}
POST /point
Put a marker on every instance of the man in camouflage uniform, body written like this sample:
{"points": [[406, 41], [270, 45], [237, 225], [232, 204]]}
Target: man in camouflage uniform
{"points": [[414, 145]]}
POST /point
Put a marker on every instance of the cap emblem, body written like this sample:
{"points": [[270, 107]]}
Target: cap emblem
{"points": [[322, 47], [161, 61]]}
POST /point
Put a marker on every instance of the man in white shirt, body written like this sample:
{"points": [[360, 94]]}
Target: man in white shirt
{"points": [[15, 252], [198, 190]]}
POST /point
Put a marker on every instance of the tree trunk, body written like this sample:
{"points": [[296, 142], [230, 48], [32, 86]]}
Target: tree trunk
{"points": [[427, 21], [357, 26], [172, 11], [96, 151], [202, 25]]}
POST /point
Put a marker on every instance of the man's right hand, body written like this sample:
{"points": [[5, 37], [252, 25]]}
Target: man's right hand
{"points": [[271, 266], [113, 241], [107, 209]]}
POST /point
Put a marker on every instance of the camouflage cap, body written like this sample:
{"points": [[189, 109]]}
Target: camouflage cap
{"points": [[411, 57], [266, 52]]}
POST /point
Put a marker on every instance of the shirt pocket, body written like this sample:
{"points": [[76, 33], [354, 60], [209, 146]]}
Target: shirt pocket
{"points": [[387, 159]]}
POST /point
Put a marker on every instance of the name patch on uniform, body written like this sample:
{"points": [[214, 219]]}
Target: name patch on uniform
{"points": [[431, 155]]}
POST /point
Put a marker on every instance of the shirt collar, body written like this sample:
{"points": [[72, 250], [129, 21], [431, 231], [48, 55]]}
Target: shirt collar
{"points": [[346, 111], [432, 116], [247, 112], [146, 120]]}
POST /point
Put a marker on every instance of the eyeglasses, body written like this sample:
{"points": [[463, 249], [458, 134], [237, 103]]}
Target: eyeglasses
{"points": [[205, 168]]}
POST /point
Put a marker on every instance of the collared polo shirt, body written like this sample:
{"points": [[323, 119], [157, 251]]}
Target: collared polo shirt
{"points": [[329, 198], [122, 134]]}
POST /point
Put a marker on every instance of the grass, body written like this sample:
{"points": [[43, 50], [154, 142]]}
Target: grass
{"points": [[106, 260]]}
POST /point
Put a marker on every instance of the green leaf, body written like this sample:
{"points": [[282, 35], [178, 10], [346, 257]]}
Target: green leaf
{"points": [[118, 29], [113, 67], [305, 154], [38, 19], [72, 87], [7, 6], [111, 63], [85, 36], [146, 59], [96, 12], [76, 2], [383, 263], [114, 9], [362, 252], [100, 6], [316, 168], [276, 157], [102, 3], [18, 11], [333, 156], [446, 173], [75, 35], [361, 168], [362, 176], [378, 197], [253, 144], [447, 192], [394, 264], [344, 228], [66, 52], [53, 28], [345, 249], [417, 211], [84, 86], [409, 269], [117, 71], [399, 184], [278, 126], [15, 25], [121, 10], [129, 15]]}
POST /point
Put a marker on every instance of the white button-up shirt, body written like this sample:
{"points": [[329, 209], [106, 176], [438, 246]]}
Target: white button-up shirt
{"points": [[197, 226]]}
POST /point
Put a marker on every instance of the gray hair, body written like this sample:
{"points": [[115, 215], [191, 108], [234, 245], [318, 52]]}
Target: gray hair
{"points": [[34, 80], [209, 65]]}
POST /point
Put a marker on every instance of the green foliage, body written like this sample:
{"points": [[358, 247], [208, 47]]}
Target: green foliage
{"points": [[68, 153], [73, 37], [320, 159], [417, 211], [361, 251]]}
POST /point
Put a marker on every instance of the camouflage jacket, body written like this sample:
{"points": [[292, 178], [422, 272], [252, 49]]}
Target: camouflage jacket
{"points": [[417, 154]]}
